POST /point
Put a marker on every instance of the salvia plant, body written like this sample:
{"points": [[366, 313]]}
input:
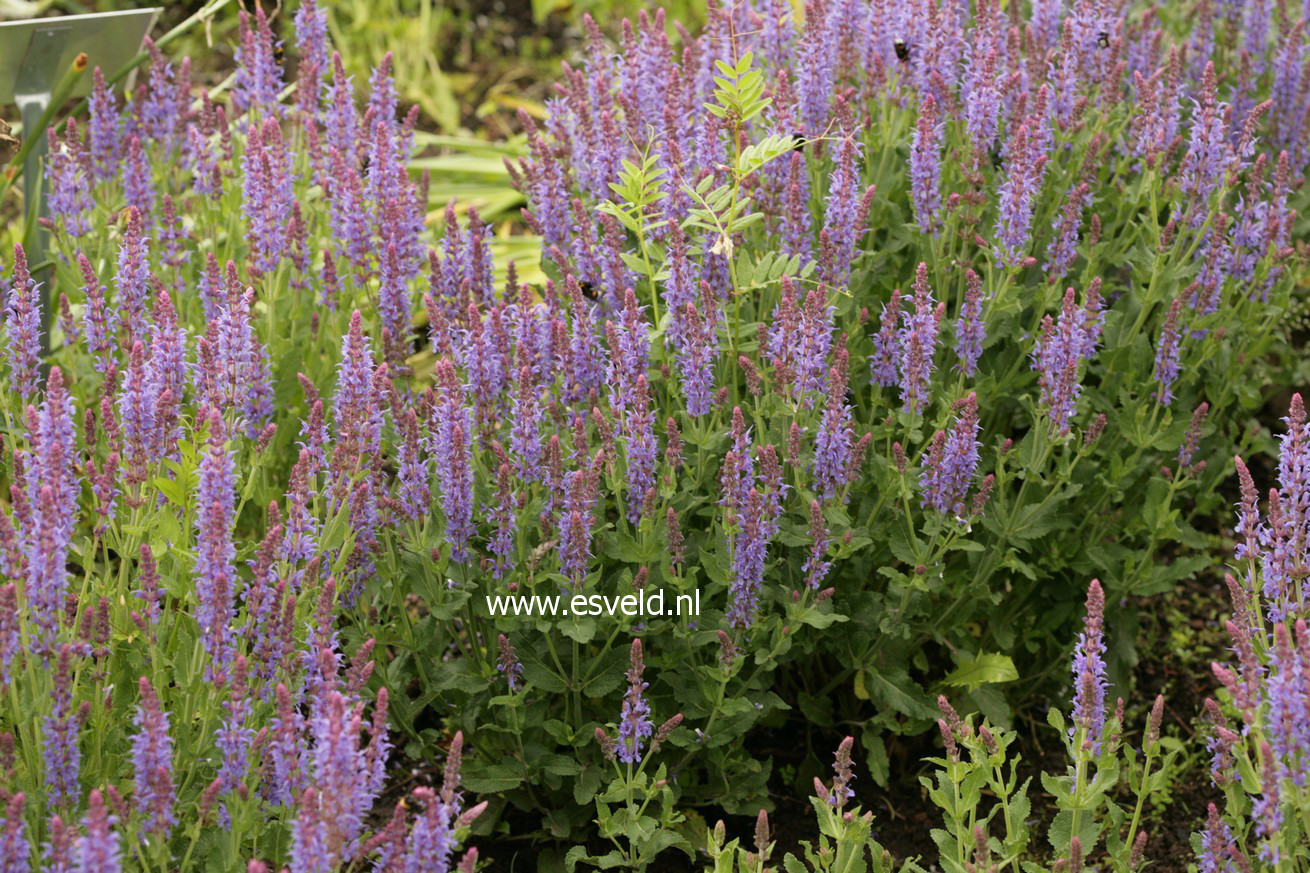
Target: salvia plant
{"points": [[873, 330]]}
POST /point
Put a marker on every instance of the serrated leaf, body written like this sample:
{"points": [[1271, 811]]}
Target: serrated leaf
{"points": [[980, 670]]}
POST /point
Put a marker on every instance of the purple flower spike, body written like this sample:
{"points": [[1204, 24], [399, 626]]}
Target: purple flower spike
{"points": [[1063, 344], [51, 506], [23, 327], [61, 753], [696, 360], [970, 330], [104, 128], [152, 762], [132, 280], [1089, 670], [414, 472], [312, 40], [258, 81], [642, 450], [14, 848], [70, 189], [918, 342], [267, 197], [925, 167], [99, 850], [451, 430], [1209, 151], [10, 637], [846, 212], [508, 664], [816, 566], [1166, 353], [1024, 168], [214, 571], [952, 462], [635, 724], [887, 353], [835, 440], [138, 186]]}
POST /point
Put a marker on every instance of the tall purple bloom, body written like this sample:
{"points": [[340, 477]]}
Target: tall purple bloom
{"points": [[635, 724], [414, 472], [14, 848], [332, 819], [103, 129], [1063, 344], [525, 425], [152, 764], [10, 636], [952, 462], [1089, 670], [258, 81], [816, 565], [1166, 353], [165, 106], [816, 63], [451, 430], [167, 373], [846, 211], [214, 569], [502, 542], [138, 185], [1024, 168], [750, 546], [886, 357], [926, 168], [697, 356], [99, 320], [51, 506], [23, 327], [98, 851], [970, 329], [60, 751], [508, 664], [233, 736], [1216, 840], [642, 449], [70, 189], [1209, 151], [136, 411], [918, 344], [239, 377], [835, 440], [132, 279], [355, 407], [1063, 248], [267, 198], [312, 40], [982, 102]]}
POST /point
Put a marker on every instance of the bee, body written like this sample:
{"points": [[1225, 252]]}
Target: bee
{"points": [[1103, 39], [588, 290], [798, 142], [278, 53], [902, 50]]}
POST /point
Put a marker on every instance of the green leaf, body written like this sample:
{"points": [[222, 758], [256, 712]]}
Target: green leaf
{"points": [[981, 670], [792, 865], [491, 779], [895, 689]]}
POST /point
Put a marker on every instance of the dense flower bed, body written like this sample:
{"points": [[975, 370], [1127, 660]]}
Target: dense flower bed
{"points": [[881, 329]]}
